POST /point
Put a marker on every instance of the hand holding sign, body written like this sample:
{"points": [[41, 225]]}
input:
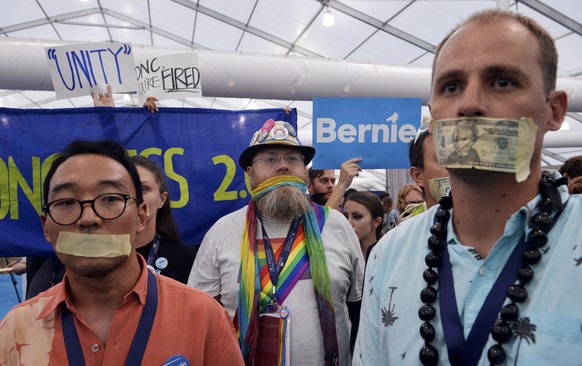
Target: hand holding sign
{"points": [[103, 99], [348, 170], [151, 104]]}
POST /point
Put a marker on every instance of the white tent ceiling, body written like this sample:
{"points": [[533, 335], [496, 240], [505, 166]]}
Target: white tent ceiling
{"points": [[395, 32]]}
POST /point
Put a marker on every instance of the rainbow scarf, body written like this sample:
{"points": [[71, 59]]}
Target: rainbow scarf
{"points": [[249, 281]]}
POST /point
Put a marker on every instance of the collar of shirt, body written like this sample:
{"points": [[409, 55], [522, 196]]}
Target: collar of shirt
{"points": [[62, 294], [517, 222]]}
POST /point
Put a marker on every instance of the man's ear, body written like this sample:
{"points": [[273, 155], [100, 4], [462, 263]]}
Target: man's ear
{"points": [[43, 223], [416, 176], [250, 176], [310, 187], [558, 101]]}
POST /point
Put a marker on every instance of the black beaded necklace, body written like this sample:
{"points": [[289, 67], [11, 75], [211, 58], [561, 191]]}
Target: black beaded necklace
{"points": [[541, 223]]}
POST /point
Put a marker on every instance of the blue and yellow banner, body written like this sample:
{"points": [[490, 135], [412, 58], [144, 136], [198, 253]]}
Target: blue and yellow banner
{"points": [[198, 150]]}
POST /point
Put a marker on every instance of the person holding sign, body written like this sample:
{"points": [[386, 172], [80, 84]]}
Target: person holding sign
{"points": [[322, 186], [109, 309], [107, 100], [490, 275], [288, 271]]}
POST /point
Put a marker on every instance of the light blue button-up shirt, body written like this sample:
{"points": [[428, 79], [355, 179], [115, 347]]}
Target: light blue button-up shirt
{"points": [[549, 328]]}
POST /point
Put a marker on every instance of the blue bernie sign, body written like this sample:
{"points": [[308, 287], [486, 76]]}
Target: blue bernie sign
{"points": [[376, 129]]}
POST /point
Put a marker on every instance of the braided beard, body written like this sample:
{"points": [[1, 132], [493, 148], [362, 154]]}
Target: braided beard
{"points": [[283, 204]]}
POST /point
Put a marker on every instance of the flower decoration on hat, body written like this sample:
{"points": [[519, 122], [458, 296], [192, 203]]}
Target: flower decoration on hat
{"points": [[275, 133]]}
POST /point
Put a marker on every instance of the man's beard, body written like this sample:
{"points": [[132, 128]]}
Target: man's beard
{"points": [[283, 204], [320, 198]]}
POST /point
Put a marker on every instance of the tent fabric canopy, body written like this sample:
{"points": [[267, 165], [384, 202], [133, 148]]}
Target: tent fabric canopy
{"points": [[399, 33]]}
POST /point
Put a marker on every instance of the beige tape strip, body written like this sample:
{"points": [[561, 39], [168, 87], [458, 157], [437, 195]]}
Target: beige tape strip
{"points": [[93, 245]]}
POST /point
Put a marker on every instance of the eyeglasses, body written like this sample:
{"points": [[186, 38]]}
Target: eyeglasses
{"points": [[424, 126], [273, 161], [67, 211]]}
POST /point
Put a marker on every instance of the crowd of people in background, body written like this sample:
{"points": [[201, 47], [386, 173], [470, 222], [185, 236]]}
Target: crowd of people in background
{"points": [[177, 258]]}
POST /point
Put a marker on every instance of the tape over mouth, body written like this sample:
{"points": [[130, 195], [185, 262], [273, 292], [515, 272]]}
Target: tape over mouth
{"points": [[93, 245]]}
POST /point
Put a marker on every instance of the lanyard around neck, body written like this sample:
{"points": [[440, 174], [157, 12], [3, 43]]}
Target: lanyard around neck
{"points": [[140, 339], [153, 253], [275, 267], [468, 352]]}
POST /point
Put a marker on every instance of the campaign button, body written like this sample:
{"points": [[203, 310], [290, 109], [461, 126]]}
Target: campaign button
{"points": [[177, 360]]}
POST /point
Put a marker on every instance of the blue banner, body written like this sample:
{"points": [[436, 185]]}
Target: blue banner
{"points": [[376, 129], [198, 150]]}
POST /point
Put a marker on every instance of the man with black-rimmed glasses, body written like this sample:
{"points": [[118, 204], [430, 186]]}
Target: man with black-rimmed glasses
{"points": [[109, 309]]}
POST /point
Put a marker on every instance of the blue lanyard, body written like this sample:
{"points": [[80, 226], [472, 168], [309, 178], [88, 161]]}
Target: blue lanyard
{"points": [[468, 352], [274, 266], [153, 253], [140, 339]]}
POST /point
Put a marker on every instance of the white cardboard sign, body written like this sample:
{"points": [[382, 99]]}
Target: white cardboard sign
{"points": [[78, 70], [173, 76]]}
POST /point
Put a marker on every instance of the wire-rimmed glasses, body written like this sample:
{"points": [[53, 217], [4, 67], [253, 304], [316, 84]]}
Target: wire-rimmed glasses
{"points": [[272, 161]]}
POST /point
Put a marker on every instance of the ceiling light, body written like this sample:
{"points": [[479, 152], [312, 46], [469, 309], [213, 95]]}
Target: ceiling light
{"points": [[328, 20], [565, 126]]}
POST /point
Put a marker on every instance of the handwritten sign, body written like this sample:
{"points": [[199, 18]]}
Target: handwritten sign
{"points": [[78, 70], [169, 77]]}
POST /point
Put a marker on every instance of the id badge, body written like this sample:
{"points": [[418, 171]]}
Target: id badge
{"points": [[273, 345]]}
